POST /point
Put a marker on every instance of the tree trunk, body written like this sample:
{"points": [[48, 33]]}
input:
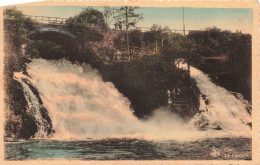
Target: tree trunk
{"points": [[127, 38]]}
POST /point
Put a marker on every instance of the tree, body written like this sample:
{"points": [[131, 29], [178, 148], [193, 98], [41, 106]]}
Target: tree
{"points": [[135, 37], [235, 73], [108, 13], [88, 25], [154, 36], [157, 37], [126, 16], [17, 25], [17, 28]]}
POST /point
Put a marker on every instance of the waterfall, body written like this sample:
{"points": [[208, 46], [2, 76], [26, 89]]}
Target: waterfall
{"points": [[81, 105], [219, 109], [33, 105]]}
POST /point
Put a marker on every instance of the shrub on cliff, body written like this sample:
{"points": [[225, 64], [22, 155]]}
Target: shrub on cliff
{"points": [[145, 81]]}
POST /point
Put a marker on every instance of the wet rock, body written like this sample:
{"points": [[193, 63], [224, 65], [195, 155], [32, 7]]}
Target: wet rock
{"points": [[20, 123], [29, 127], [203, 125], [217, 125], [247, 104], [206, 100], [45, 115], [203, 122]]}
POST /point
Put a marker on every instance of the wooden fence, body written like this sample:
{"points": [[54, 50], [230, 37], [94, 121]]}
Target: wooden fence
{"points": [[121, 53]]}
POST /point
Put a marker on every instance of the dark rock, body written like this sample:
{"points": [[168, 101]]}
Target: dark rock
{"points": [[45, 116], [29, 127], [206, 100], [218, 128], [249, 124], [17, 100], [24, 125]]}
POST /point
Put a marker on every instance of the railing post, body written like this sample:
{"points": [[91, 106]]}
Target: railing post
{"points": [[155, 46], [162, 43]]}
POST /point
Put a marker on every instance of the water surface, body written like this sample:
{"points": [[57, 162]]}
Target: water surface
{"points": [[132, 149]]}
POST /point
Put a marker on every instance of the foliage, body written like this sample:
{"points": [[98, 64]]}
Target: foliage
{"points": [[235, 73], [154, 34], [212, 41], [17, 26], [90, 17], [88, 25], [136, 37]]}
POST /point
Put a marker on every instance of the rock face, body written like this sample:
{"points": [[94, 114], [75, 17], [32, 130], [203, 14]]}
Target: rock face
{"points": [[21, 122], [248, 104], [149, 86], [185, 97]]}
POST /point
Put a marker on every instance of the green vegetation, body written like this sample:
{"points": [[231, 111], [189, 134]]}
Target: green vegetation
{"points": [[233, 74]]}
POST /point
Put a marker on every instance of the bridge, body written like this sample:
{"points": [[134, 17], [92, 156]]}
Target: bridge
{"points": [[53, 29], [48, 20]]}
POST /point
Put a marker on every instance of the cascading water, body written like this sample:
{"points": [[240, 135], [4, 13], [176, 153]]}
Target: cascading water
{"points": [[220, 109], [33, 105], [81, 105]]}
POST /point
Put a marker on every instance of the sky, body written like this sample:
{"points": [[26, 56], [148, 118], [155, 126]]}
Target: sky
{"points": [[232, 19]]}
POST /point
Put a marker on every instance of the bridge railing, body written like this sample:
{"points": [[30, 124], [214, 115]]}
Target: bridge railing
{"points": [[48, 20]]}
